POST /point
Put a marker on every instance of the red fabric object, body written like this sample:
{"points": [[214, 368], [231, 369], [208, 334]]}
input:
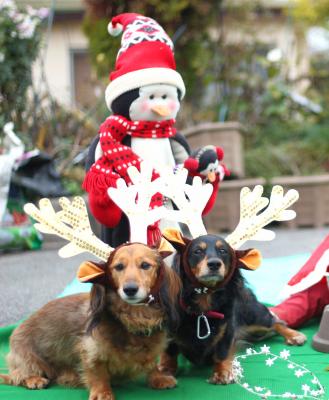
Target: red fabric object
{"points": [[124, 19], [146, 56], [213, 197], [311, 262], [226, 171], [191, 164], [220, 153], [116, 160], [144, 45], [106, 211], [301, 307], [153, 234], [141, 56], [216, 183]]}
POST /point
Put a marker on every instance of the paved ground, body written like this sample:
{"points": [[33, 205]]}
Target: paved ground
{"points": [[30, 279]]}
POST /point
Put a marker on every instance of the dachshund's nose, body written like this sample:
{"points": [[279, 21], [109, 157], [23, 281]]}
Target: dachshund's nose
{"points": [[214, 264], [130, 289]]}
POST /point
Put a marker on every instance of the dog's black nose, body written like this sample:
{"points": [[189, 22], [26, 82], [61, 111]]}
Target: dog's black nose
{"points": [[130, 289], [214, 264]]}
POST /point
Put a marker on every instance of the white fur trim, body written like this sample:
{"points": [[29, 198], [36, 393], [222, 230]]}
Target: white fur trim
{"points": [[136, 79], [114, 31], [311, 279]]}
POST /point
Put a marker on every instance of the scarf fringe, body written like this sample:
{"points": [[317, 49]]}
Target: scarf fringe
{"points": [[153, 234], [98, 183]]}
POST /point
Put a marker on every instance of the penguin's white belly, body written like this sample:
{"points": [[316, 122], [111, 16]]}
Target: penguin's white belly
{"points": [[156, 151]]}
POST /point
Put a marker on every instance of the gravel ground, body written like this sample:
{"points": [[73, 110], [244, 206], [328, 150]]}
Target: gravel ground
{"points": [[30, 279]]}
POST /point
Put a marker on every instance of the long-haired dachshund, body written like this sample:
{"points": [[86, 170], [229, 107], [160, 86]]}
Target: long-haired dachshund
{"points": [[216, 308], [114, 333]]}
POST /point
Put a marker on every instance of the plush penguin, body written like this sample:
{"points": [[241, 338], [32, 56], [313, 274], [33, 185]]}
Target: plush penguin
{"points": [[144, 95], [206, 163]]}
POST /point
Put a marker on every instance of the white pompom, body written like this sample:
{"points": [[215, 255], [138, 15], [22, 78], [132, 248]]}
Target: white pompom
{"points": [[114, 31]]}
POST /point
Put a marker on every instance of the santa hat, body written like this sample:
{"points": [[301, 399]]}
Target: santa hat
{"points": [[146, 56]]}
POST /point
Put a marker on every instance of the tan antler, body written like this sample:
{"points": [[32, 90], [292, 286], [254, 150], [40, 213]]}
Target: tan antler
{"points": [[70, 223], [251, 222]]}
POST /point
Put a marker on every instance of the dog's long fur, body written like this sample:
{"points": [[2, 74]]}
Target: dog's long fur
{"points": [[94, 339], [244, 316]]}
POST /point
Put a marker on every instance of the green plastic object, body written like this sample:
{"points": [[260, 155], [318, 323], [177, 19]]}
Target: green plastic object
{"points": [[22, 237]]}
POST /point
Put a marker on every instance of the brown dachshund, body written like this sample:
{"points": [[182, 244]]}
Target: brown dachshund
{"points": [[114, 333]]}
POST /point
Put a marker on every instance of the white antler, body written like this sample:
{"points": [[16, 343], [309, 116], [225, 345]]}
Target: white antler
{"points": [[251, 223], [189, 199], [135, 200], [72, 224]]}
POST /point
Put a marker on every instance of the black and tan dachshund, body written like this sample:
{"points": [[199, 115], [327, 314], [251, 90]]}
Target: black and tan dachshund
{"points": [[216, 307]]}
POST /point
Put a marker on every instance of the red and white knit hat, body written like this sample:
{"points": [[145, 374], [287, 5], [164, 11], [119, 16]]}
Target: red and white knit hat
{"points": [[146, 56]]}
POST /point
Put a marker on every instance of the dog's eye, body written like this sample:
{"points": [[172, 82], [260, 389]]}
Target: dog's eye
{"points": [[119, 267], [222, 251], [145, 265], [198, 251]]}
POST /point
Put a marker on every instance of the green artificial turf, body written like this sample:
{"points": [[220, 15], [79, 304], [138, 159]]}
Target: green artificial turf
{"points": [[192, 380]]}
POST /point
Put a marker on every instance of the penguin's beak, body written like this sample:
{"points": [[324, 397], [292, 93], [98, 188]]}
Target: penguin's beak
{"points": [[163, 111], [211, 177]]}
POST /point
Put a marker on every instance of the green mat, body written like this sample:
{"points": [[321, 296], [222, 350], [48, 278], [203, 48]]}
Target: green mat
{"points": [[192, 381]]}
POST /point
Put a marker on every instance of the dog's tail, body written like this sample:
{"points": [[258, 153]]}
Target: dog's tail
{"points": [[5, 379]]}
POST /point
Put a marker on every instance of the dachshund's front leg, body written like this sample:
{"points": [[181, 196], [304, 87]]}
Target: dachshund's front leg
{"points": [[97, 380], [223, 359], [160, 380], [168, 360]]}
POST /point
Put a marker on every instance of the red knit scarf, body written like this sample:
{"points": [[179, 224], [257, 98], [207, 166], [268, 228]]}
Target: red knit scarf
{"points": [[117, 158]]}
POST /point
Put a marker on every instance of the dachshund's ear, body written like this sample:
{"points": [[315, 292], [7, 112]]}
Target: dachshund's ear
{"points": [[175, 238], [168, 294], [91, 272], [98, 302], [249, 259], [164, 248]]}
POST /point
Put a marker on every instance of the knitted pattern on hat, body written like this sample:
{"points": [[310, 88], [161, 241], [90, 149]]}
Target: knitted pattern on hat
{"points": [[146, 56]]}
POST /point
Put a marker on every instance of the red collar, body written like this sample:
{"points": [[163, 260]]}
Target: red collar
{"points": [[209, 314]]}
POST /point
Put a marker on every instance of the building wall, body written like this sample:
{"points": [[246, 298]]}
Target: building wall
{"points": [[66, 36]]}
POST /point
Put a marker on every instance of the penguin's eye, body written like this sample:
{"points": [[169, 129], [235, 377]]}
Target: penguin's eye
{"points": [[151, 97], [164, 96]]}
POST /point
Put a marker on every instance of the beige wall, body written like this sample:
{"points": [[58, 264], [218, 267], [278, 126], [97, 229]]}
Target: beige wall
{"points": [[66, 35]]}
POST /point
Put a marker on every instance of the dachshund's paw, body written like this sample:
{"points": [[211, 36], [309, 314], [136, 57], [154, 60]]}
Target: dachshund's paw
{"points": [[224, 378], [36, 382], [296, 339], [162, 382], [105, 395]]}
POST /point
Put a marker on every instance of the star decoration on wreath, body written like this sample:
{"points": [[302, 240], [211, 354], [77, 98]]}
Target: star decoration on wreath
{"points": [[304, 383]]}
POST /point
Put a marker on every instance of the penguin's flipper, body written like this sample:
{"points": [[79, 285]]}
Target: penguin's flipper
{"points": [[180, 148]]}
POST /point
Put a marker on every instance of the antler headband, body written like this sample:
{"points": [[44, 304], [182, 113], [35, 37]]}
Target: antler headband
{"points": [[72, 223]]}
